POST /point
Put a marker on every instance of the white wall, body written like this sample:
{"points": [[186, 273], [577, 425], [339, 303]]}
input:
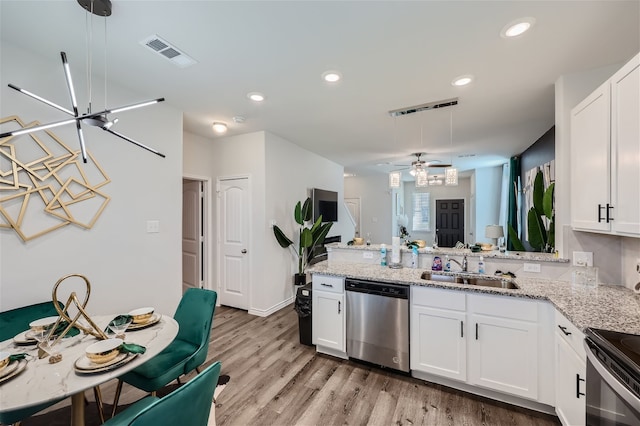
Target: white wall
{"points": [[127, 266], [375, 204], [488, 186]]}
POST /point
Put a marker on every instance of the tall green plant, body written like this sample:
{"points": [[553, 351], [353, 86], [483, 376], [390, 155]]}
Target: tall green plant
{"points": [[541, 237], [309, 236]]}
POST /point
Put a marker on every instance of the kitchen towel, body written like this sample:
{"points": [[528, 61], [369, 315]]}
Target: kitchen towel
{"points": [[395, 250]]}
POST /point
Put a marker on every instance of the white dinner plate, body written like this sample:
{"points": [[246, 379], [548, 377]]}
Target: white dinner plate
{"points": [[24, 339], [43, 322], [153, 320], [12, 370], [84, 365]]}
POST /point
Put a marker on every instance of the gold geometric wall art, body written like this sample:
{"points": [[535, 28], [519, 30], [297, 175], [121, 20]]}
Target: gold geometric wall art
{"points": [[44, 185]]}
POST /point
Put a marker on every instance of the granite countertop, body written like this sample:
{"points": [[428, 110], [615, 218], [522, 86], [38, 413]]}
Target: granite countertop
{"points": [[608, 307], [493, 254]]}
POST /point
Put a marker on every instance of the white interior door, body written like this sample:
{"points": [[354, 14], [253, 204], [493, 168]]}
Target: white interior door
{"points": [[233, 241], [192, 234], [353, 205]]}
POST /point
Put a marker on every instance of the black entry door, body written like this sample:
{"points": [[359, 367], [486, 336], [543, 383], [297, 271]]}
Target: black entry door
{"points": [[449, 222]]}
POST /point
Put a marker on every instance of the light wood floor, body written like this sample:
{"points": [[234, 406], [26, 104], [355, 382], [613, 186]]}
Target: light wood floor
{"points": [[277, 381]]}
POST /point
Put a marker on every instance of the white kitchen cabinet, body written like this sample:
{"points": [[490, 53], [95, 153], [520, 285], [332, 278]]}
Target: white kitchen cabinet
{"points": [[570, 373], [503, 345], [438, 337], [605, 156], [329, 319]]}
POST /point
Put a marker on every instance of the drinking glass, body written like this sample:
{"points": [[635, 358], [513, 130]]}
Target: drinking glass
{"points": [[119, 325]]}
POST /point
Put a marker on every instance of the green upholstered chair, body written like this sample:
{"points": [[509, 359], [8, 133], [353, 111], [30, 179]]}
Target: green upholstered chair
{"points": [[189, 405], [187, 351], [11, 323]]}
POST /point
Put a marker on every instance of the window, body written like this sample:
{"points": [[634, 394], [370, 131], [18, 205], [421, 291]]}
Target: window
{"points": [[421, 211]]}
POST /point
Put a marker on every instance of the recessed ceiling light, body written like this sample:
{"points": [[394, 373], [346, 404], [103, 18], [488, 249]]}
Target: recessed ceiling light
{"points": [[517, 27], [256, 96], [331, 76], [219, 127], [462, 80]]}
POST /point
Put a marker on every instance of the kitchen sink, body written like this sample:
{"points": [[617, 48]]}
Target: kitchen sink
{"points": [[470, 280]]}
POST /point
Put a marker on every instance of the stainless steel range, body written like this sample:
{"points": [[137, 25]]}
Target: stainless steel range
{"points": [[613, 378]]}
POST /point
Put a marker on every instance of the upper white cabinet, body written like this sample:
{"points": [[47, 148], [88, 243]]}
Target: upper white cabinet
{"points": [[605, 156]]}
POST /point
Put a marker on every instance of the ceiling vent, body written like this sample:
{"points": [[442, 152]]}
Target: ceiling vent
{"points": [[168, 51], [431, 105]]}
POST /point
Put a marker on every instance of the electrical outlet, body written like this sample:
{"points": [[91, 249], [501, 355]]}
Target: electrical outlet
{"points": [[367, 255], [532, 267], [153, 226], [582, 258]]}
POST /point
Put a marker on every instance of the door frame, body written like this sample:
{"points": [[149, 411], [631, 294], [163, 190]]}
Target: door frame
{"points": [[218, 256], [208, 228]]}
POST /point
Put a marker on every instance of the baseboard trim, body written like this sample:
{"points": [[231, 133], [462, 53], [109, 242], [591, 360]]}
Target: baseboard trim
{"points": [[271, 310]]}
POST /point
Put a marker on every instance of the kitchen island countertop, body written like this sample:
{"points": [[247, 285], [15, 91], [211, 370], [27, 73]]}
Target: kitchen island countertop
{"points": [[608, 307]]}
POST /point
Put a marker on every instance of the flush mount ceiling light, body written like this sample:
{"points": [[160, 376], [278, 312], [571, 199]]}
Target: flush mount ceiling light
{"points": [[331, 76], [517, 27], [95, 119], [219, 127], [462, 80], [256, 96]]}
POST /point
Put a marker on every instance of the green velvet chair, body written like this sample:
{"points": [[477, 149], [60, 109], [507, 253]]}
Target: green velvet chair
{"points": [[16, 321], [189, 405], [187, 351]]}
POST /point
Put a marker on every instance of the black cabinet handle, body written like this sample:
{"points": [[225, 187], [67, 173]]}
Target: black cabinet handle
{"points": [[339, 306], [326, 285], [476, 331], [600, 207], [609, 218], [578, 380], [461, 329], [564, 330]]}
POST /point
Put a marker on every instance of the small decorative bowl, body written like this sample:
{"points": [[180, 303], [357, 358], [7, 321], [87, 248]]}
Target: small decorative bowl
{"points": [[421, 243], [4, 359], [141, 315], [103, 351], [42, 323], [358, 241]]}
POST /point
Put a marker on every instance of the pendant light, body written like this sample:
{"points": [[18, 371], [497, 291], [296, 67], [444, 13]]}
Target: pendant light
{"points": [[451, 173]]}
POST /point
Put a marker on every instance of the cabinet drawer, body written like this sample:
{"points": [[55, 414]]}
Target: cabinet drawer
{"points": [[328, 283], [438, 298], [504, 307], [568, 332]]}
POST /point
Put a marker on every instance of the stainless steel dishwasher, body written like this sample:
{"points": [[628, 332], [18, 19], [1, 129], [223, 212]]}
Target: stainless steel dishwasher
{"points": [[378, 323]]}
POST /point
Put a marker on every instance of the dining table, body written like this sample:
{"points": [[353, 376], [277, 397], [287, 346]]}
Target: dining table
{"points": [[40, 381]]}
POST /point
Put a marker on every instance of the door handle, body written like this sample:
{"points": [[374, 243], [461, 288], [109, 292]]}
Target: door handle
{"points": [[578, 380], [461, 328], [476, 331], [243, 251], [339, 306], [600, 207], [564, 330], [609, 218]]}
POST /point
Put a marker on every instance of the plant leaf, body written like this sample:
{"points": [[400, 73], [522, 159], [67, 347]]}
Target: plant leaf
{"points": [[551, 240], [306, 238], [537, 232], [547, 201], [297, 214], [538, 193], [283, 240], [307, 210], [515, 240]]}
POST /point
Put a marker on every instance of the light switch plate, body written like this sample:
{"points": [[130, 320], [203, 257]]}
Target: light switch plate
{"points": [[582, 258], [153, 226], [367, 255], [532, 267]]}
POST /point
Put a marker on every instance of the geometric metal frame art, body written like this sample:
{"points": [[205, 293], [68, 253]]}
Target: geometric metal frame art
{"points": [[44, 185]]}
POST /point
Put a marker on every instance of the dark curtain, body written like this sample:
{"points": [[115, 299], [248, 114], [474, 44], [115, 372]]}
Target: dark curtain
{"points": [[512, 214]]}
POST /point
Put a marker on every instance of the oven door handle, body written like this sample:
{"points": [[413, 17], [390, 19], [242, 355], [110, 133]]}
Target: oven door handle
{"points": [[610, 379]]}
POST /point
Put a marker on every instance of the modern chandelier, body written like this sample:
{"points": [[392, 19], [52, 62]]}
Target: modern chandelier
{"points": [[98, 119]]}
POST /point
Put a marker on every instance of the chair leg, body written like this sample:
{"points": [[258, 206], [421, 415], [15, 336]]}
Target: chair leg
{"points": [[198, 369], [116, 397], [98, 396], [154, 393]]}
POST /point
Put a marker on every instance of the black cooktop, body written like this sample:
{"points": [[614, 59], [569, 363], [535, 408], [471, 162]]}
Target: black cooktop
{"points": [[625, 347]]}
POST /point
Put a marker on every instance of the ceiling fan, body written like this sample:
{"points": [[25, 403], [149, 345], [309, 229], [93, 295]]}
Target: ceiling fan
{"points": [[95, 119], [420, 164]]}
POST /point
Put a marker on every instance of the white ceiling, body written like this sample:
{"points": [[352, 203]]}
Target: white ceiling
{"points": [[392, 54]]}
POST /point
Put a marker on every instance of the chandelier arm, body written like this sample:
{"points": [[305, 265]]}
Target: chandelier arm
{"points": [[83, 148], [41, 99], [27, 130], [67, 75], [134, 142], [129, 107]]}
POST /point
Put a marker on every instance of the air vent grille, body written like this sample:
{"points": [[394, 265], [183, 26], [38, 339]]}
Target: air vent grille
{"points": [[424, 107], [165, 49]]}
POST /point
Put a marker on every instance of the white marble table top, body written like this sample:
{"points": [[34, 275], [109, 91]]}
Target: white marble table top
{"points": [[41, 382]]}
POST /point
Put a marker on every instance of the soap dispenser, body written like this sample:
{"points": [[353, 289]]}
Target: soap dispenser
{"points": [[481, 265]]}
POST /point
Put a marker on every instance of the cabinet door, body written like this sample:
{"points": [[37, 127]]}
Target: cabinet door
{"points": [[570, 384], [590, 141], [625, 146], [438, 342], [503, 355], [328, 320]]}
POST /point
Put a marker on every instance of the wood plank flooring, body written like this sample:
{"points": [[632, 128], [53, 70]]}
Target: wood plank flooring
{"points": [[277, 381]]}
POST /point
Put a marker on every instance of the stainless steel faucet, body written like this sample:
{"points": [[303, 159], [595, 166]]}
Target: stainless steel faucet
{"points": [[464, 266]]}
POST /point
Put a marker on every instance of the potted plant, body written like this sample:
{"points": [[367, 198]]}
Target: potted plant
{"points": [[310, 236]]}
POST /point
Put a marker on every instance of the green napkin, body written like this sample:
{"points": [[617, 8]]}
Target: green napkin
{"points": [[16, 357], [60, 328], [116, 320], [132, 348]]}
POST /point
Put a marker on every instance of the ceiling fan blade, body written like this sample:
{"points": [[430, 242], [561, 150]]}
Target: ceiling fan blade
{"points": [[27, 130], [83, 148], [41, 99], [120, 135], [132, 106], [67, 74]]}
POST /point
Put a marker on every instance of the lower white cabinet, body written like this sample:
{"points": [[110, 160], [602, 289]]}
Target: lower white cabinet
{"points": [[570, 373], [329, 319]]}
